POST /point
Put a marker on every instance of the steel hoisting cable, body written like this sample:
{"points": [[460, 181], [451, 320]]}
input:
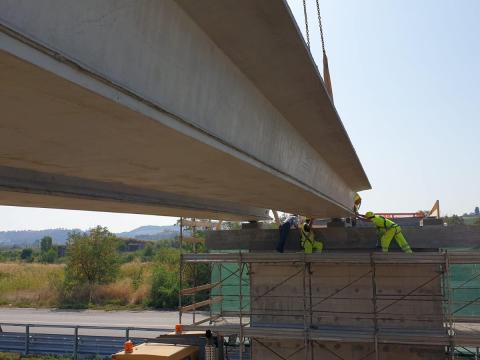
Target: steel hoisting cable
{"points": [[320, 25], [326, 71], [306, 22]]}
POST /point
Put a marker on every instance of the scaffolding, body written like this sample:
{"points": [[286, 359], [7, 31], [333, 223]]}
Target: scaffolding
{"points": [[445, 328]]}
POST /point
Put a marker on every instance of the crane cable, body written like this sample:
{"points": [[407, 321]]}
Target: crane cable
{"points": [[326, 70], [306, 22], [320, 26]]}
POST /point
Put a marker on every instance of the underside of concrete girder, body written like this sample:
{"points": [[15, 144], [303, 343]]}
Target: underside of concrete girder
{"points": [[135, 107]]}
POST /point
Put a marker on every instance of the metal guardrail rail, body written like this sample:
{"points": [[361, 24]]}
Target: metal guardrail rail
{"points": [[27, 341], [455, 257]]}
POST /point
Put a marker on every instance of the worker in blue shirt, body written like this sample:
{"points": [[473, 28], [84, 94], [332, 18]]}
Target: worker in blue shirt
{"points": [[284, 230]]}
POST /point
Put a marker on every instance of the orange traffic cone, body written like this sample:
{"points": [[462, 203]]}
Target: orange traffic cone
{"points": [[128, 347]]}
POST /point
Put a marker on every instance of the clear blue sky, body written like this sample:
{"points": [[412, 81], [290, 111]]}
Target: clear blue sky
{"points": [[406, 83]]}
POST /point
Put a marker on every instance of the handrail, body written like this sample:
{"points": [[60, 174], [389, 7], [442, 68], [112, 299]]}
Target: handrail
{"points": [[456, 257]]}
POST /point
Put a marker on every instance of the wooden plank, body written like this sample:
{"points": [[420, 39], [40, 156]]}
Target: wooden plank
{"points": [[193, 290], [201, 304]]}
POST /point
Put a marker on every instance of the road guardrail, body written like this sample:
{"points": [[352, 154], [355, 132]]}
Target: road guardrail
{"points": [[22, 338]]}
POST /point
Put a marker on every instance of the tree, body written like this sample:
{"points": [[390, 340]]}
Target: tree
{"points": [[46, 244], [164, 291], [454, 220], [49, 256], [26, 254], [477, 211], [148, 252], [92, 258]]}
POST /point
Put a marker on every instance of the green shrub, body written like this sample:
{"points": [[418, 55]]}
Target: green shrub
{"points": [[49, 256], [148, 252], [164, 291], [26, 254]]}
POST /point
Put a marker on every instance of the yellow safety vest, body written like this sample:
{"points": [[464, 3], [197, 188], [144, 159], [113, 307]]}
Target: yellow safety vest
{"points": [[306, 235], [382, 223]]}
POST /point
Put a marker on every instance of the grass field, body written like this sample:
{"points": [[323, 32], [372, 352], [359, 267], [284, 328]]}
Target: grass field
{"points": [[38, 285], [29, 284]]}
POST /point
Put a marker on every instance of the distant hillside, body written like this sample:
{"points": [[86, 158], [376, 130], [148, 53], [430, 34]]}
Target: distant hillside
{"points": [[152, 232], [29, 237], [149, 230], [59, 236]]}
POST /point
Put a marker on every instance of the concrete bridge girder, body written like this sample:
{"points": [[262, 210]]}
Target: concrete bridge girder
{"points": [[136, 94]]}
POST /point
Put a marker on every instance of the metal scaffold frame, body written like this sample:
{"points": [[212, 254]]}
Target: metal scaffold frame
{"points": [[451, 336]]}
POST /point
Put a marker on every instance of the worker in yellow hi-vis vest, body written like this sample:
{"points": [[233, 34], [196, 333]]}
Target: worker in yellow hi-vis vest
{"points": [[308, 242], [387, 231]]}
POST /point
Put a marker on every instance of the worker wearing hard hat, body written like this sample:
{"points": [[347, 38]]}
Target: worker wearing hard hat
{"points": [[387, 230], [308, 242], [357, 202]]}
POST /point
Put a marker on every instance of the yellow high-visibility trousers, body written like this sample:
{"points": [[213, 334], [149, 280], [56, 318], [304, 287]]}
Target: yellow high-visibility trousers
{"points": [[394, 233], [308, 242], [312, 246]]}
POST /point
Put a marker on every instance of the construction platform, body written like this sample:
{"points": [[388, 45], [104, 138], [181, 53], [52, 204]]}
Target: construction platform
{"points": [[339, 304]]}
